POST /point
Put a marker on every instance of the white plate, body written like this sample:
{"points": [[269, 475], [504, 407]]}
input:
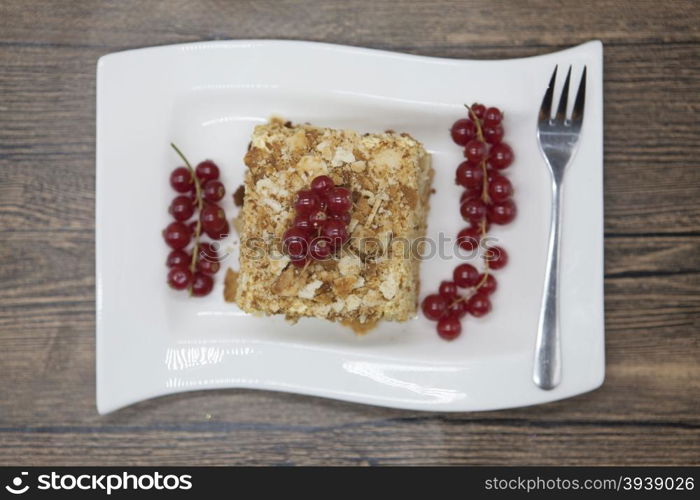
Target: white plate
{"points": [[206, 97]]}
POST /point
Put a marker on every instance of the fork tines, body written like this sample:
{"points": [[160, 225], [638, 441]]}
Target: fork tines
{"points": [[577, 112]]}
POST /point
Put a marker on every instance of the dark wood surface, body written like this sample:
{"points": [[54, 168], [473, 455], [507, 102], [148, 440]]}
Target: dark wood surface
{"points": [[648, 410]]}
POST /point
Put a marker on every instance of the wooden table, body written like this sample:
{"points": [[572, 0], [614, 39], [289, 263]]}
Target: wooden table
{"points": [[647, 412]]}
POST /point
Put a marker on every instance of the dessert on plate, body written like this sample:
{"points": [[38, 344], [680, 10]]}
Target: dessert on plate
{"points": [[368, 274]]}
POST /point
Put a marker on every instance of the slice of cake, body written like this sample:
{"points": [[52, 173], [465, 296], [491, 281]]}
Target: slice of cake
{"points": [[374, 275]]}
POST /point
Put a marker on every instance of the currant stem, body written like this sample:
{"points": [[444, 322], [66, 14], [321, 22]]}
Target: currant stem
{"points": [[475, 119], [485, 190], [480, 135], [198, 196], [483, 280], [475, 289], [461, 299]]}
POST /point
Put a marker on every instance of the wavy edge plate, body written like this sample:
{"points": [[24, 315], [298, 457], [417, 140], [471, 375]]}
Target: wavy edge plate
{"points": [[135, 365]]}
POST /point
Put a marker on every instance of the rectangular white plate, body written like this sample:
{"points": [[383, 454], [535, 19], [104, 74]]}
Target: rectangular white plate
{"points": [[206, 97]]}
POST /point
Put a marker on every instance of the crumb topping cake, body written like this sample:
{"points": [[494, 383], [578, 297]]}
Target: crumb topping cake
{"points": [[374, 275]]}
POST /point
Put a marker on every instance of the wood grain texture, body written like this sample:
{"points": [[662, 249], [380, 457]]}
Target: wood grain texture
{"points": [[648, 411]]}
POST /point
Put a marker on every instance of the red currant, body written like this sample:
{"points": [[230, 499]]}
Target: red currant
{"points": [[302, 222], [179, 277], [468, 238], [177, 258], [496, 257], [335, 231], [488, 285], [449, 328], [213, 191], [492, 116], [503, 212], [202, 284], [478, 110], [473, 210], [458, 309], [475, 151], [207, 266], [500, 188], [181, 180], [320, 248], [434, 306], [218, 234], [465, 275], [317, 218], [300, 262], [182, 207], [207, 171], [493, 134], [213, 217], [501, 156], [479, 305], [177, 235], [469, 175], [207, 251], [463, 131], [295, 243], [448, 289], [471, 193], [344, 217], [307, 201], [339, 200], [321, 184]]}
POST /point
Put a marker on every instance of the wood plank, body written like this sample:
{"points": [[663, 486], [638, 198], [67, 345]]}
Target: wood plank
{"points": [[406, 441], [387, 24]]}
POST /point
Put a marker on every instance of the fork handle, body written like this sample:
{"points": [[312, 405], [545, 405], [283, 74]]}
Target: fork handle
{"points": [[547, 371]]}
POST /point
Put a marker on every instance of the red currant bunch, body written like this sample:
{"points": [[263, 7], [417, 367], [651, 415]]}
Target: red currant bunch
{"points": [[450, 304], [200, 189], [319, 228], [486, 200]]}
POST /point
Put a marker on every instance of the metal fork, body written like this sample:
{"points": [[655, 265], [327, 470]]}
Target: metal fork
{"points": [[558, 137]]}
